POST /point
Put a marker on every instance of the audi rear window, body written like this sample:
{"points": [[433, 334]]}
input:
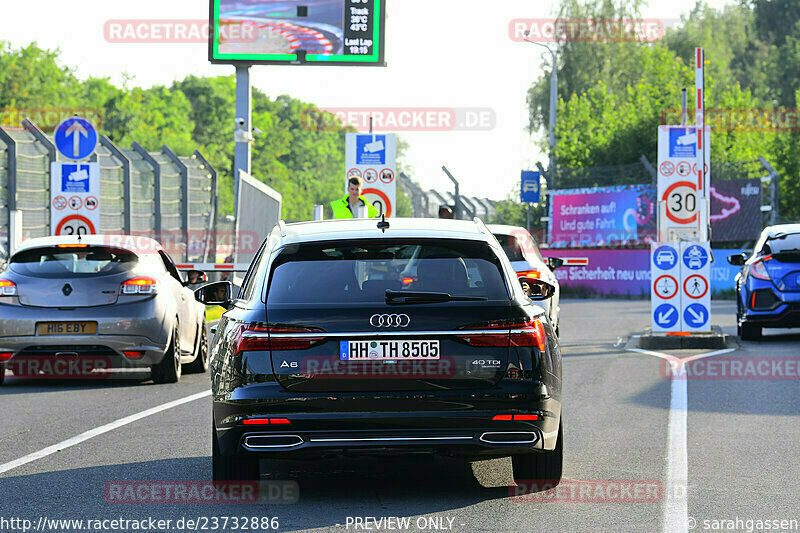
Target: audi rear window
{"points": [[346, 272], [72, 262]]}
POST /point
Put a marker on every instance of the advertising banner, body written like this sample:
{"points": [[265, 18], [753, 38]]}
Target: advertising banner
{"points": [[735, 210], [603, 216], [626, 273]]}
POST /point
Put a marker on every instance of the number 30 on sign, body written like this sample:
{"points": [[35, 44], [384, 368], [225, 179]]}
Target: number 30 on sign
{"points": [[681, 199]]}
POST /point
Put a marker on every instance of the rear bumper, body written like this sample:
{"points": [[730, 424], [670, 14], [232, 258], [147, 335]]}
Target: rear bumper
{"points": [[106, 348], [784, 311], [137, 326], [144, 318], [783, 316], [390, 423]]}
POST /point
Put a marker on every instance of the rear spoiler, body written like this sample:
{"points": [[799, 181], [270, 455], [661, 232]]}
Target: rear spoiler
{"points": [[214, 267]]}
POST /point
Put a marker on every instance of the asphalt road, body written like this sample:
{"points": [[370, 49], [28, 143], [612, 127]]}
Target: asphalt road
{"points": [[735, 441]]}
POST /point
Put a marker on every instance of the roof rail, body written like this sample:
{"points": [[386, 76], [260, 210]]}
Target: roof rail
{"points": [[481, 225], [282, 226]]}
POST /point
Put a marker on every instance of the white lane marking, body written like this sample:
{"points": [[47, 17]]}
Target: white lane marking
{"points": [[676, 504], [99, 431]]}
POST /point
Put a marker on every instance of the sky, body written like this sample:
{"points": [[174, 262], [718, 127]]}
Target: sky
{"points": [[440, 54]]}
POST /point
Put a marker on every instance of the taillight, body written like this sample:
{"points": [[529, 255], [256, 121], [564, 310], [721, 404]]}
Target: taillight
{"points": [[515, 417], [490, 338], [265, 421], [257, 337], [7, 288], [142, 285], [529, 274], [5, 356], [409, 281], [758, 270], [529, 333], [491, 334]]}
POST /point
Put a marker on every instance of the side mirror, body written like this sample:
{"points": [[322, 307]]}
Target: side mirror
{"points": [[537, 289], [195, 276], [218, 293], [554, 263], [737, 259]]}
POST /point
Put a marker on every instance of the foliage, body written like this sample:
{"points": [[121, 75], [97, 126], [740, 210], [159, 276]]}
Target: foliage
{"points": [[612, 96], [302, 159]]}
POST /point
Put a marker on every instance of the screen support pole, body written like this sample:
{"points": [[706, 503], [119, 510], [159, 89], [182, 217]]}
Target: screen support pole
{"points": [[243, 135]]}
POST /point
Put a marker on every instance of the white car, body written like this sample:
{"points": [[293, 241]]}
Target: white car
{"points": [[527, 260]]}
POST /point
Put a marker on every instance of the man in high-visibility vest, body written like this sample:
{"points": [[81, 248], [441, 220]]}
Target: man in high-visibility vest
{"points": [[346, 207]]}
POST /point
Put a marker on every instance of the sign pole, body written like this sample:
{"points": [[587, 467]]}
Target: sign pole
{"points": [[702, 174], [244, 118]]}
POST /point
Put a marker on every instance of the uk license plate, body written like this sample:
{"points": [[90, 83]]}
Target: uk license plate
{"points": [[66, 328], [389, 350]]}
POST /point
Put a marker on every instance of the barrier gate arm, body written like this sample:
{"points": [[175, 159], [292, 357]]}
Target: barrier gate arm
{"points": [[214, 267]]}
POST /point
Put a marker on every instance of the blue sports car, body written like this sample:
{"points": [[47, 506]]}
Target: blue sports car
{"points": [[768, 287]]}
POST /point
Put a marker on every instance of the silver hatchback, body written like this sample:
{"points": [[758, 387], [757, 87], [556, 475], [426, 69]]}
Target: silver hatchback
{"points": [[73, 305]]}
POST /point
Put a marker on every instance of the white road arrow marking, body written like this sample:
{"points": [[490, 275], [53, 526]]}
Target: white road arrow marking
{"points": [[664, 316], [76, 130]]}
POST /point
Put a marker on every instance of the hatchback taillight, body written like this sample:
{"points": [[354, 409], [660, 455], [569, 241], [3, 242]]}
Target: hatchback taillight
{"points": [[142, 285], [528, 333], [257, 337], [759, 270], [8, 288]]}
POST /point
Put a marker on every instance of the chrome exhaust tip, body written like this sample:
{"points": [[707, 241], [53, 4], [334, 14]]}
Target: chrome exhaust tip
{"points": [[271, 442], [509, 437]]}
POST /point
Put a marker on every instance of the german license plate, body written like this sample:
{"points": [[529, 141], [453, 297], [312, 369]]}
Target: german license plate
{"points": [[388, 350], [66, 328]]}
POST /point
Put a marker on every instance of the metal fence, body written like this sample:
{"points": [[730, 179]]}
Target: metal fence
{"points": [[159, 194], [426, 204]]}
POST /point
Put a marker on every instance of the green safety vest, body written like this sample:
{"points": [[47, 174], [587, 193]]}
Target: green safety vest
{"points": [[341, 208]]}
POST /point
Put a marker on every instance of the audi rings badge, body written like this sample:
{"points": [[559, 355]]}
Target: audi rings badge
{"points": [[390, 321]]}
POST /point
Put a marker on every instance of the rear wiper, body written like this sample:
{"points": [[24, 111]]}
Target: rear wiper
{"points": [[414, 297]]}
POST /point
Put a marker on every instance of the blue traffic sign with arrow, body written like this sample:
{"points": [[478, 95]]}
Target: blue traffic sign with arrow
{"points": [[76, 138], [666, 316], [695, 315]]}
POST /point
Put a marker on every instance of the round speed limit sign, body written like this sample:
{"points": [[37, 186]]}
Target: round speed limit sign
{"points": [[379, 199], [75, 225], [681, 199]]}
